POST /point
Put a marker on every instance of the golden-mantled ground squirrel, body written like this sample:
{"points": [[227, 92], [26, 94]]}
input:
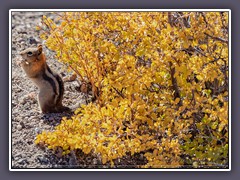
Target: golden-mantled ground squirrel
{"points": [[49, 83]]}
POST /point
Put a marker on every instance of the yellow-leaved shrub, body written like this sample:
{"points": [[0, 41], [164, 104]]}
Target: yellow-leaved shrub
{"points": [[160, 80]]}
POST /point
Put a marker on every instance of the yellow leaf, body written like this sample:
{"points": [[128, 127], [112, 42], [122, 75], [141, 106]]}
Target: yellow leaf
{"points": [[199, 77], [186, 44], [177, 100], [104, 160], [155, 152]]}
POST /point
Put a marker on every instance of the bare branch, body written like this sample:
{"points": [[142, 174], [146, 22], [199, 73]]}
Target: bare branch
{"points": [[175, 84], [217, 38], [119, 93]]}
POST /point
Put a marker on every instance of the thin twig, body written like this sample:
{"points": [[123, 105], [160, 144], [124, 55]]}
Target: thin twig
{"points": [[217, 38], [119, 93]]}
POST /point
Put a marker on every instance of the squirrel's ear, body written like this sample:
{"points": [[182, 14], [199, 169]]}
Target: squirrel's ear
{"points": [[39, 49]]}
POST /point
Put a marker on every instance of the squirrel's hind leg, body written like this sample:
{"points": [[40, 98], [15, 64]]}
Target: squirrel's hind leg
{"points": [[61, 109]]}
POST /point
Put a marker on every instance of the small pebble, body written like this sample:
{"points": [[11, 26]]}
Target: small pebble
{"points": [[22, 101], [37, 130], [141, 157], [42, 160], [33, 118], [19, 127], [51, 118], [22, 161], [32, 40], [95, 161], [22, 124]]}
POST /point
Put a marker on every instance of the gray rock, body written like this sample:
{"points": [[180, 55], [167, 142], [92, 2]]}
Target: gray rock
{"points": [[38, 130], [95, 161], [32, 40], [51, 118], [19, 127], [42, 159], [22, 161]]}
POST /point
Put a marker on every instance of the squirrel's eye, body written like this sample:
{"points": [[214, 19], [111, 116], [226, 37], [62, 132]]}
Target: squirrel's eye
{"points": [[29, 53]]}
